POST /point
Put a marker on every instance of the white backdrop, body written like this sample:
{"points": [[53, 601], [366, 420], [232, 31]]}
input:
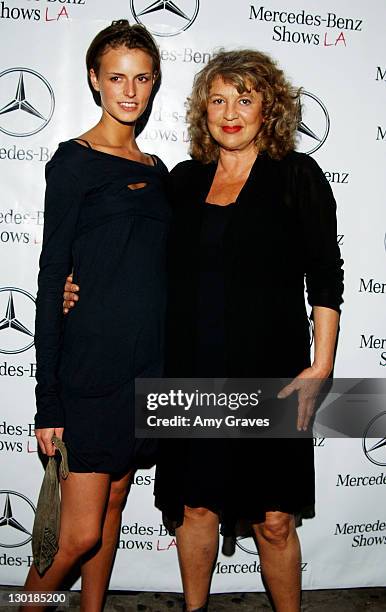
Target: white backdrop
{"points": [[336, 51]]}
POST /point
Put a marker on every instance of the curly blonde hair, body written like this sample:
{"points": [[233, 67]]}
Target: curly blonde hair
{"points": [[246, 69]]}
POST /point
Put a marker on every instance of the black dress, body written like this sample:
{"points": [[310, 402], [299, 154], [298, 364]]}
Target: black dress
{"points": [[114, 239], [236, 309], [210, 345]]}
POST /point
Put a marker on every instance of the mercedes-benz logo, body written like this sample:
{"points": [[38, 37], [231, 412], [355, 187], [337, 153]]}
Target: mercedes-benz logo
{"points": [[247, 544], [374, 446], [17, 316], [27, 102], [314, 123], [164, 17], [17, 514]]}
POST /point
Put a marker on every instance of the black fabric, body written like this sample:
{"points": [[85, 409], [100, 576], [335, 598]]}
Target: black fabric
{"points": [[82, 140], [114, 239], [282, 231], [209, 349]]}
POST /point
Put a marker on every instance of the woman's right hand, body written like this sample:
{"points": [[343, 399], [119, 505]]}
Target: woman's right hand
{"points": [[44, 437], [70, 294]]}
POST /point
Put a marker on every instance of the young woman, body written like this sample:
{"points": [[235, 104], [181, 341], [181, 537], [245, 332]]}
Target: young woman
{"points": [[106, 218]]}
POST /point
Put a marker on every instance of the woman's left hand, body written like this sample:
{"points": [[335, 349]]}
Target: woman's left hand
{"points": [[70, 295], [308, 384]]}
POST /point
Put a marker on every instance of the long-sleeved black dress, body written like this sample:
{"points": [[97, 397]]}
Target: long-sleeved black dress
{"points": [[236, 309], [114, 239]]}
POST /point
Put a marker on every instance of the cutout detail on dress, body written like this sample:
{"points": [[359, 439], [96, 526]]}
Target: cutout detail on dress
{"points": [[134, 186]]}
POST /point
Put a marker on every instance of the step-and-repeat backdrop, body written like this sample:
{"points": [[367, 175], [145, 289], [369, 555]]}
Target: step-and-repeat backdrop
{"points": [[335, 50]]}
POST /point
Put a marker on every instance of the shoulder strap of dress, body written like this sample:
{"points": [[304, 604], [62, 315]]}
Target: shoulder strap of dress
{"points": [[83, 140]]}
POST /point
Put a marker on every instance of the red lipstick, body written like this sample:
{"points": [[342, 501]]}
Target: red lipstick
{"points": [[231, 129]]}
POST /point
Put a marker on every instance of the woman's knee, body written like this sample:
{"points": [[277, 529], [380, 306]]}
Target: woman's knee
{"points": [[77, 544], [276, 529], [200, 514], [118, 495]]}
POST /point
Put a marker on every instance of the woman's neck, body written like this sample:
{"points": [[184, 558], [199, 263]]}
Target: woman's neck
{"points": [[237, 162], [114, 134]]}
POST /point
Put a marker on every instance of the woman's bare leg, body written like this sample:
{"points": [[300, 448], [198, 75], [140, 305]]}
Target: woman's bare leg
{"points": [[96, 570], [280, 558], [83, 501], [197, 545]]}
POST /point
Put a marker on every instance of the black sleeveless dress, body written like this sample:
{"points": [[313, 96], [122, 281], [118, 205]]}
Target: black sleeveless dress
{"points": [[114, 240]]}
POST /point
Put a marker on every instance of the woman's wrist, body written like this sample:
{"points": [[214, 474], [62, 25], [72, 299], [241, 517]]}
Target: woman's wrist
{"points": [[322, 370]]}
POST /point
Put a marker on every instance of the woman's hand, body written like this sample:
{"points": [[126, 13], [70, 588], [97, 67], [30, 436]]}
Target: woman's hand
{"points": [[70, 294], [44, 437], [308, 384]]}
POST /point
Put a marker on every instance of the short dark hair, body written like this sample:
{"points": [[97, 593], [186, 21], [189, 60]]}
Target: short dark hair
{"points": [[121, 34]]}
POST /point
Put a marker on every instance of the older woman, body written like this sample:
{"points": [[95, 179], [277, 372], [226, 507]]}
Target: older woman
{"points": [[251, 219]]}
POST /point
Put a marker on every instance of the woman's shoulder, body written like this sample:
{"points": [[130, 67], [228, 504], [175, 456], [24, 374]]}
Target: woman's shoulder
{"points": [[303, 163], [159, 164], [188, 168], [72, 148], [297, 170], [70, 156]]}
